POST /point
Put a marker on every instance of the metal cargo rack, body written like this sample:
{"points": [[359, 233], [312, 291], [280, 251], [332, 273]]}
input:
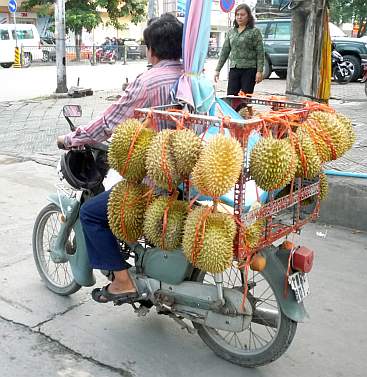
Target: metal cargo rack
{"points": [[241, 129], [274, 102]]}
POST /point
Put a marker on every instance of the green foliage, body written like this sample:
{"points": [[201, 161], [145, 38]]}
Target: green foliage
{"points": [[81, 14], [348, 11]]}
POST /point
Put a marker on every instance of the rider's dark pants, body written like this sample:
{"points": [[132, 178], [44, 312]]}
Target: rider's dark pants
{"points": [[102, 246]]}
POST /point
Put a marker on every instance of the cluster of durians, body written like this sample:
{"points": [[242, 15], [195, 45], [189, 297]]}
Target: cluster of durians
{"points": [[166, 158], [323, 137]]}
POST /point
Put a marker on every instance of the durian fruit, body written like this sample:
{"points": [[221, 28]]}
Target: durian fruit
{"points": [[321, 142], [186, 147], [160, 163], [329, 126], [324, 187], [216, 252], [118, 151], [272, 163], [153, 223], [346, 125], [312, 165], [253, 233], [219, 166], [127, 204]]}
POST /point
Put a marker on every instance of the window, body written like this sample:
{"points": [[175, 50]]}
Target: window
{"points": [[4, 35], [23, 34], [271, 31], [283, 31], [261, 27]]}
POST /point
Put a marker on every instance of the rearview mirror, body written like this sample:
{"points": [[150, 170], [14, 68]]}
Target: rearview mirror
{"points": [[72, 111]]}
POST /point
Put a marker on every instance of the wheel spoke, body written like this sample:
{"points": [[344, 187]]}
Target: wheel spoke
{"points": [[59, 274], [263, 329]]}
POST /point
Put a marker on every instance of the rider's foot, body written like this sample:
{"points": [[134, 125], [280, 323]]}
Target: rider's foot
{"points": [[106, 294], [122, 288]]}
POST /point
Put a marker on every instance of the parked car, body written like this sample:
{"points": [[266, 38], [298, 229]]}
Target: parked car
{"points": [[25, 36], [48, 49], [133, 50], [277, 34]]}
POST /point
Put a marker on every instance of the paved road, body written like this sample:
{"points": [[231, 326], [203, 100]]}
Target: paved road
{"points": [[44, 335]]}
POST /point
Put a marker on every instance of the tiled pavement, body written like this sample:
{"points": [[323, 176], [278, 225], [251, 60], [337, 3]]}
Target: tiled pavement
{"points": [[28, 128]]}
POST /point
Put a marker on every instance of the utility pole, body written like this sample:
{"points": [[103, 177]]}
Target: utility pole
{"points": [[305, 49], [60, 46], [152, 9]]}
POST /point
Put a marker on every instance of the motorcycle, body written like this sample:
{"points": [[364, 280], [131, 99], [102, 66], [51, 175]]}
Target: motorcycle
{"points": [[249, 332], [213, 52], [364, 78], [342, 70], [103, 55]]}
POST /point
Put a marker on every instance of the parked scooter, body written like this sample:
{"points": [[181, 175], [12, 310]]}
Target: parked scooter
{"points": [[364, 77], [104, 55], [207, 304], [213, 52], [342, 70]]}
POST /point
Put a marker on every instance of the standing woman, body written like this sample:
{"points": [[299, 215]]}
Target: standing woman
{"points": [[244, 47]]}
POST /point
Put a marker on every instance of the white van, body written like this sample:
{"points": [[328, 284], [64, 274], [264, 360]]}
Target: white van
{"points": [[28, 38]]}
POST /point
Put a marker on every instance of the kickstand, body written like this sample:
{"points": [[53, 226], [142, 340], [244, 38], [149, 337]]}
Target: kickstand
{"points": [[141, 311], [183, 324]]}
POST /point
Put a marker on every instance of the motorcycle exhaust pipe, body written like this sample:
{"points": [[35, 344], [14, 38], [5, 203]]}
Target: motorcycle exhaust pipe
{"points": [[266, 317]]}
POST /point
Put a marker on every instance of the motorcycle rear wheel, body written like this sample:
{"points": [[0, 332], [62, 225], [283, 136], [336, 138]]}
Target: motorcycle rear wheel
{"points": [[259, 344], [58, 277]]}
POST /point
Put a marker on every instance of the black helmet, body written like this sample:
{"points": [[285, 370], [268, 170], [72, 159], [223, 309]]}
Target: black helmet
{"points": [[80, 170]]}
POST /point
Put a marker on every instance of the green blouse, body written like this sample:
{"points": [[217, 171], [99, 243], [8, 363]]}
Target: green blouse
{"points": [[245, 49]]}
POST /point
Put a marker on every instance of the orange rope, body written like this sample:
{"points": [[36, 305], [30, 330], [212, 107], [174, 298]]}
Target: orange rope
{"points": [[170, 203], [122, 215], [200, 233], [165, 167], [131, 148]]}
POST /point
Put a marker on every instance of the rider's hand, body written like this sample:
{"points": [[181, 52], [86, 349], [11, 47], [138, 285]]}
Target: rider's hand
{"points": [[259, 77], [216, 76], [61, 142]]}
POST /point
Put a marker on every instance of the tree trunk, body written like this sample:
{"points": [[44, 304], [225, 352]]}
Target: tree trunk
{"points": [[60, 46], [361, 26], [305, 50], [78, 42]]}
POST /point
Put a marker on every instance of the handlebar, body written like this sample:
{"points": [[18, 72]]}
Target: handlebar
{"points": [[76, 111], [95, 146]]}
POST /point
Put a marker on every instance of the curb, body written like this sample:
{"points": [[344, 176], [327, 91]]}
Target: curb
{"points": [[346, 204]]}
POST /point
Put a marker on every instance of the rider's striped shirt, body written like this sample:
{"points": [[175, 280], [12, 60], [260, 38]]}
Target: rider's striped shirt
{"points": [[151, 88]]}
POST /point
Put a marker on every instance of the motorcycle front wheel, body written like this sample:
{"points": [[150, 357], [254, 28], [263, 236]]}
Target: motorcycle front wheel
{"points": [[342, 75], [58, 277], [266, 339]]}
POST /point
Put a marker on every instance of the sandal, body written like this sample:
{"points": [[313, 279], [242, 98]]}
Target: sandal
{"points": [[102, 296]]}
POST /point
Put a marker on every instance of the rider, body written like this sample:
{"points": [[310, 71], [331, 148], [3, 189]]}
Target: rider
{"points": [[163, 38]]}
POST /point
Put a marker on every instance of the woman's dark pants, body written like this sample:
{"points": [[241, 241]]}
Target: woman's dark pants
{"points": [[241, 79]]}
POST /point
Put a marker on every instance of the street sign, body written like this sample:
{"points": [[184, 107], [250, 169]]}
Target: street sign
{"points": [[227, 5], [12, 5]]}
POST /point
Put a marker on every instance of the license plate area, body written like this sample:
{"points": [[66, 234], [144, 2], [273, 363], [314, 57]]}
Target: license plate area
{"points": [[300, 285]]}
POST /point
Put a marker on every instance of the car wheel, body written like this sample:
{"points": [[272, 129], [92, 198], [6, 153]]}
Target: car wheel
{"points": [[46, 56], [282, 74], [267, 69], [27, 59], [356, 64], [6, 65]]}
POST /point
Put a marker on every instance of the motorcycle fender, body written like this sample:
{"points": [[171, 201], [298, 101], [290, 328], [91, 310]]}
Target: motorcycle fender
{"points": [[79, 262], [275, 272]]}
